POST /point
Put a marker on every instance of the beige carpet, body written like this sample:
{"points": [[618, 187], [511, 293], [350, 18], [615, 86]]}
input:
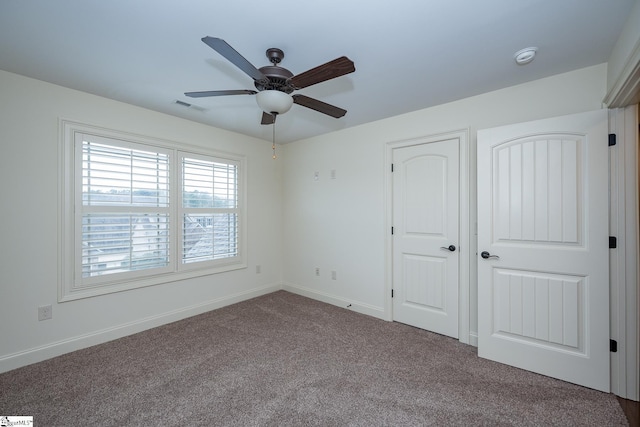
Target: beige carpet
{"points": [[285, 360]]}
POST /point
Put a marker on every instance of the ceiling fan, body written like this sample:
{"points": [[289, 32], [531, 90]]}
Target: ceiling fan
{"points": [[274, 83]]}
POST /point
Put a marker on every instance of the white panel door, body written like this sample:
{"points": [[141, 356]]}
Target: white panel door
{"points": [[425, 220], [543, 281]]}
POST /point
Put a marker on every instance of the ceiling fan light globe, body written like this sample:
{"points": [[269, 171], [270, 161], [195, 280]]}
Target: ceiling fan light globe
{"points": [[274, 101]]}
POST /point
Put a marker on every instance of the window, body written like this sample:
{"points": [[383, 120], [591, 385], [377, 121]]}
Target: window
{"points": [[209, 209], [140, 212], [122, 207]]}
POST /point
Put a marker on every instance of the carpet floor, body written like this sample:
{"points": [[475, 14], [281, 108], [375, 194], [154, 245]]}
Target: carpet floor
{"points": [[285, 360]]}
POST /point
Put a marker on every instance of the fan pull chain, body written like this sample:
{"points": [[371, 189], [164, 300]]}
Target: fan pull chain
{"points": [[273, 145]]}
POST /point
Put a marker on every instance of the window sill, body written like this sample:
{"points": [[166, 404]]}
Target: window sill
{"points": [[75, 292]]}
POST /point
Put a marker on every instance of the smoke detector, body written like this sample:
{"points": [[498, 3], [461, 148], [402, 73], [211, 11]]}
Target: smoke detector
{"points": [[526, 55]]}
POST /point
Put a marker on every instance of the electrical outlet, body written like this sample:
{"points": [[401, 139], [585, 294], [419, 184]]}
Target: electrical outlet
{"points": [[316, 176], [334, 275], [258, 269], [45, 312], [333, 174], [317, 271]]}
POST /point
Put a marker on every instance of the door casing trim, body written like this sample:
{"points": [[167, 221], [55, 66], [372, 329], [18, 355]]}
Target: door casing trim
{"points": [[623, 271]]}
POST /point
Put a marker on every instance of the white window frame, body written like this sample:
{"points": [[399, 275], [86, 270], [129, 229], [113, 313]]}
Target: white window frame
{"points": [[71, 285]]}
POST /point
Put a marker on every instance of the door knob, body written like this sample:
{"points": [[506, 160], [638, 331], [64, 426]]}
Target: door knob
{"points": [[487, 255], [448, 248]]}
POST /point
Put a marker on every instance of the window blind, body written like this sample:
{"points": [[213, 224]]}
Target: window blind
{"points": [[125, 200], [210, 219]]}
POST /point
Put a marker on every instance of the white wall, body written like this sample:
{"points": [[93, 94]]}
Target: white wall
{"points": [[29, 115], [340, 224]]}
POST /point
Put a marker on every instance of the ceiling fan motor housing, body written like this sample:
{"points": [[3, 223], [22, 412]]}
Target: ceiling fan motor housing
{"points": [[277, 75], [277, 79]]}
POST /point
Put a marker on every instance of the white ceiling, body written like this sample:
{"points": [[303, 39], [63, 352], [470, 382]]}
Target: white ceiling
{"points": [[409, 54]]}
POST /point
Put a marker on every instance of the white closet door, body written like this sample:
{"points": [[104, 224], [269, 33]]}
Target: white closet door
{"points": [[543, 281]]}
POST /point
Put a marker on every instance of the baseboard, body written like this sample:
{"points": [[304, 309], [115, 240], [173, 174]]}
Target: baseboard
{"points": [[356, 306], [48, 351]]}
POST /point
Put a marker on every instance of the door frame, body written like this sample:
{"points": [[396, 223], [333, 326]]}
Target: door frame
{"points": [[623, 223], [467, 252]]}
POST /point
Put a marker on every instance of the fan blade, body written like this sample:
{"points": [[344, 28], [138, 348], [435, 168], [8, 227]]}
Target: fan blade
{"points": [[330, 70], [220, 93], [223, 48], [267, 119], [322, 107]]}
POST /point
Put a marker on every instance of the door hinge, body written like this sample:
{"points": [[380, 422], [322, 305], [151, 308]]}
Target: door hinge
{"points": [[391, 293], [613, 346], [391, 230], [612, 139], [391, 167], [613, 242]]}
